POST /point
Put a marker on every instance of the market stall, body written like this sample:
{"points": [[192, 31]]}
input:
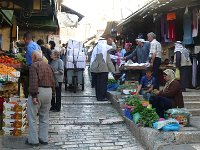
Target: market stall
{"points": [[12, 118]]}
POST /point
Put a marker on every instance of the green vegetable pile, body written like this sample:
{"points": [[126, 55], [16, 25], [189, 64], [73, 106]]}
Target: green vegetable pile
{"points": [[111, 81], [147, 115], [20, 58]]}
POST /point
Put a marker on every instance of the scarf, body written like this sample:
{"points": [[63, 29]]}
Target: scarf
{"points": [[101, 47], [179, 48], [171, 74]]}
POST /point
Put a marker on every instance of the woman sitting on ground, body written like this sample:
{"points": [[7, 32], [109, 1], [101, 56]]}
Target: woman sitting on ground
{"points": [[171, 95]]}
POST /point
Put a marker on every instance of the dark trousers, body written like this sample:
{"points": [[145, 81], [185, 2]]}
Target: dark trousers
{"points": [[56, 101], [100, 83], [156, 65], [198, 74], [93, 79], [161, 104]]}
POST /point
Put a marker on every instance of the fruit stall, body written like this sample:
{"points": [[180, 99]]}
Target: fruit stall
{"points": [[12, 105]]}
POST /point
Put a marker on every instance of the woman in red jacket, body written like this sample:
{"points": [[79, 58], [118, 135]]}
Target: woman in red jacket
{"points": [[171, 95]]}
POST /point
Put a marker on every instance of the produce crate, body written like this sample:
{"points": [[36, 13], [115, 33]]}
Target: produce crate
{"points": [[14, 115], [15, 106], [14, 123], [13, 131]]}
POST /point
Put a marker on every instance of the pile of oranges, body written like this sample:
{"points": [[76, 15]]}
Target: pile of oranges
{"points": [[5, 70]]}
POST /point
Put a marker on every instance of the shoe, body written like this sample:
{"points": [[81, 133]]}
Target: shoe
{"points": [[198, 88], [43, 143], [31, 144]]}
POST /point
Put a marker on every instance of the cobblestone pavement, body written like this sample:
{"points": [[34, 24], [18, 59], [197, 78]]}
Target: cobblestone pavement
{"points": [[82, 124]]}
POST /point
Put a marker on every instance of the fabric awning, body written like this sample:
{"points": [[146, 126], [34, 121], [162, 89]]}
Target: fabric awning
{"points": [[158, 6], [71, 11], [7, 15]]}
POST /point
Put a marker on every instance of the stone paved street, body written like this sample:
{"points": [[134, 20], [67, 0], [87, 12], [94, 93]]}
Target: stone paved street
{"points": [[82, 124]]}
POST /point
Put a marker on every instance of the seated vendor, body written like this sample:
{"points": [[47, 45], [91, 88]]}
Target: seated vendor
{"points": [[171, 95], [146, 84]]}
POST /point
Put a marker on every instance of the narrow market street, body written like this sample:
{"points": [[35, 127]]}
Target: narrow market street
{"points": [[82, 124]]}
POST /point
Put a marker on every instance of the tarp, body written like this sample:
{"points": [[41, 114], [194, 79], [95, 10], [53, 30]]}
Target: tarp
{"points": [[7, 15]]}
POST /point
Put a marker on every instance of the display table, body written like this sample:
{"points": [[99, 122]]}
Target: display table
{"points": [[133, 72]]}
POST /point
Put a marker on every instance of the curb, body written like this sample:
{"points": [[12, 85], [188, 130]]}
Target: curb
{"points": [[153, 139]]}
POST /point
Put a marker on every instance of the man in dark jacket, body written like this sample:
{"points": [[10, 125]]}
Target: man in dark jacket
{"points": [[46, 52]]}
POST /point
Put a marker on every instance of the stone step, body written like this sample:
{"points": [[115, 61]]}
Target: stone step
{"points": [[191, 96], [192, 104], [194, 112]]}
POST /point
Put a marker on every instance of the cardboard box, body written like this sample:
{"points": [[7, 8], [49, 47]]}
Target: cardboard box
{"points": [[14, 123], [15, 104], [14, 115], [13, 131]]}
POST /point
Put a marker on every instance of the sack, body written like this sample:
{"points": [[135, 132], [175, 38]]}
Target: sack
{"points": [[177, 74]]}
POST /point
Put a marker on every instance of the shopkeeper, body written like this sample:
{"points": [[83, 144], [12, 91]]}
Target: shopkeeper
{"points": [[30, 47]]}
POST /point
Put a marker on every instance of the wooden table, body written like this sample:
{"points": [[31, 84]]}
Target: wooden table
{"points": [[133, 72]]}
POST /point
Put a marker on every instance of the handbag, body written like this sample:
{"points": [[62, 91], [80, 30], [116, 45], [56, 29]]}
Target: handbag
{"points": [[177, 74]]}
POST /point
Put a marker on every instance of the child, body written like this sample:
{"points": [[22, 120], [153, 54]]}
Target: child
{"points": [[147, 84]]}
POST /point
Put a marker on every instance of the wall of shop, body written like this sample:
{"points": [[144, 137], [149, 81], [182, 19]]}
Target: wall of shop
{"points": [[5, 32], [39, 34]]}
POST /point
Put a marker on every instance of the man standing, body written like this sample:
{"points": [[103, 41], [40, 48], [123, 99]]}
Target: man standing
{"points": [[30, 47], [41, 89], [141, 52], [154, 55]]}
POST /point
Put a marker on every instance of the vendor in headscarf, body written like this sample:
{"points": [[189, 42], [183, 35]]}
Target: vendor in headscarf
{"points": [[183, 62], [171, 95], [100, 66]]}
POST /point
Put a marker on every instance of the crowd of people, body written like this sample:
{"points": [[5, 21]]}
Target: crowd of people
{"points": [[107, 57], [46, 73]]}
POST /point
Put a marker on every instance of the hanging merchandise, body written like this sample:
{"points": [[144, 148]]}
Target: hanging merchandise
{"points": [[187, 28], [171, 16], [195, 23], [171, 26], [171, 30]]}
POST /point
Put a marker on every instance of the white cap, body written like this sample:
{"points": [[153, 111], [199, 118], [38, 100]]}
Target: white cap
{"points": [[140, 40]]}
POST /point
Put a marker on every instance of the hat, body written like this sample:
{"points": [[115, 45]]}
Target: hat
{"points": [[140, 40]]}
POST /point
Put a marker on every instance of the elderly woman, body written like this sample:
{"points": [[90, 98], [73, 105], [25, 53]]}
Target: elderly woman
{"points": [[58, 68], [171, 95]]}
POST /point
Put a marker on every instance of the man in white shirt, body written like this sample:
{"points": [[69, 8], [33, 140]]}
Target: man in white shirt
{"points": [[154, 55]]}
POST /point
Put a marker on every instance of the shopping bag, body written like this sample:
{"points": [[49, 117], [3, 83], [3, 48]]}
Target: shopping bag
{"points": [[177, 74]]}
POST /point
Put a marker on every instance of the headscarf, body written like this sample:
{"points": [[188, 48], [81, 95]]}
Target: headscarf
{"points": [[101, 47], [179, 48], [171, 74]]}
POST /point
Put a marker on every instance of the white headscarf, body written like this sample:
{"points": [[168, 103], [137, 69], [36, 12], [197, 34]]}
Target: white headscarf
{"points": [[101, 47], [179, 48], [171, 74]]}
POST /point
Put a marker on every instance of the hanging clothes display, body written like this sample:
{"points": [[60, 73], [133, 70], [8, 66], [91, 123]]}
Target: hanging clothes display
{"points": [[195, 23], [187, 28], [171, 17]]}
